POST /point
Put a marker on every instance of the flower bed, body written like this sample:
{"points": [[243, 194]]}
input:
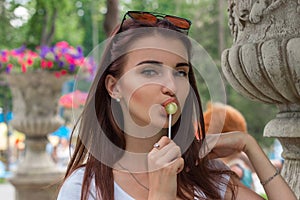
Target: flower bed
{"points": [[62, 59]]}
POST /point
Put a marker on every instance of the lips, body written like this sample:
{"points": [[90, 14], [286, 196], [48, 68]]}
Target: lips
{"points": [[169, 101]]}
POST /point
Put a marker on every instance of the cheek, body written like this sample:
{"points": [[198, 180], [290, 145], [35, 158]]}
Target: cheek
{"points": [[142, 98], [140, 105]]}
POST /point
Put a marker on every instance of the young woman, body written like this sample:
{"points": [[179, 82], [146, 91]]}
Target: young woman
{"points": [[123, 152]]}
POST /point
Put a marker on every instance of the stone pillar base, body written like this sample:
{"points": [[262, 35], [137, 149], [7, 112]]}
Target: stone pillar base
{"points": [[286, 128], [293, 180], [37, 187]]}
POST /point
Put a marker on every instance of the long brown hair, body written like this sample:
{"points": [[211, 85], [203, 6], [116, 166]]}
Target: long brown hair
{"points": [[100, 133]]}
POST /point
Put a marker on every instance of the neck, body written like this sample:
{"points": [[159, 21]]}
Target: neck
{"points": [[142, 145], [135, 156]]}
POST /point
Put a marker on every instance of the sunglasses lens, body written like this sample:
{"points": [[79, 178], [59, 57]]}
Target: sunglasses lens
{"points": [[143, 17], [152, 18], [179, 22]]}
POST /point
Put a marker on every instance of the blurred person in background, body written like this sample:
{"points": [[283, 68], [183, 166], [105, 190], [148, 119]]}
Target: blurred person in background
{"points": [[227, 119]]}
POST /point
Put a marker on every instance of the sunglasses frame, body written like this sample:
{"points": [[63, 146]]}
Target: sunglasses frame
{"points": [[157, 16]]}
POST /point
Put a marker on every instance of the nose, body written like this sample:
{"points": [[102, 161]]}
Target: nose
{"points": [[169, 85]]}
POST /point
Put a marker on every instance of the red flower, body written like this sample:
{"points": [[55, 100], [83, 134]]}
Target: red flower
{"points": [[63, 72], [43, 64], [49, 64], [29, 61]]}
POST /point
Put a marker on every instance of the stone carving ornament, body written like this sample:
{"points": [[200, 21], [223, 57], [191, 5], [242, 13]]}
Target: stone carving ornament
{"points": [[246, 12], [263, 64]]}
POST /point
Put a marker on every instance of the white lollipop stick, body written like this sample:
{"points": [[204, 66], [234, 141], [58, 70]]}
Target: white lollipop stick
{"points": [[170, 125], [171, 108]]}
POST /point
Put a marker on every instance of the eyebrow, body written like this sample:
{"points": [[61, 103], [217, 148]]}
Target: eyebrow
{"points": [[182, 64], [150, 62]]}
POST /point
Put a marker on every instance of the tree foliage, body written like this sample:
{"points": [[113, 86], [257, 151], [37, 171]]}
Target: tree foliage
{"points": [[81, 22]]}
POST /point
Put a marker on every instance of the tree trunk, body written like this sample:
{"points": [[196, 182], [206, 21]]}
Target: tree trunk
{"points": [[221, 27], [51, 32], [48, 29], [111, 17], [95, 27]]}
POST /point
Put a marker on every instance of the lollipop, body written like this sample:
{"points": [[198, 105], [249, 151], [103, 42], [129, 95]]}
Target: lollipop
{"points": [[171, 109]]}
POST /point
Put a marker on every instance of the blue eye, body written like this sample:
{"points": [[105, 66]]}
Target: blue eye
{"points": [[149, 72], [181, 73]]}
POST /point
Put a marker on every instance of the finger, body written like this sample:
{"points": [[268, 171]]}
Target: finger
{"points": [[161, 143], [178, 165], [164, 156], [168, 154], [157, 153]]}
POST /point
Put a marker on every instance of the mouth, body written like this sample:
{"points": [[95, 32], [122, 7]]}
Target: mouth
{"points": [[170, 100]]}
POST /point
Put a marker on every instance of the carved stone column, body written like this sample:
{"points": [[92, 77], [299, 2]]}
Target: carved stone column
{"points": [[263, 64], [35, 98]]}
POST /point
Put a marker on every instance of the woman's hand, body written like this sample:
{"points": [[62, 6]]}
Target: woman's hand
{"points": [[164, 163], [226, 144]]}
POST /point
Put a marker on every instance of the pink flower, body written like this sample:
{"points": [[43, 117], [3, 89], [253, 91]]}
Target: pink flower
{"points": [[33, 54], [57, 74], [23, 68], [4, 59], [43, 64], [69, 59], [61, 58], [62, 44]]}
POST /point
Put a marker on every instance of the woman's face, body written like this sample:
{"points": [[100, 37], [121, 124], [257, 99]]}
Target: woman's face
{"points": [[154, 74]]}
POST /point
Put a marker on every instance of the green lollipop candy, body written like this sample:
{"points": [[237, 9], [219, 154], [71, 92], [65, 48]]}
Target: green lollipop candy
{"points": [[171, 108]]}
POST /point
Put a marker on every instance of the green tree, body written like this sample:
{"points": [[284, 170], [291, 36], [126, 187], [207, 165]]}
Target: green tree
{"points": [[81, 22], [12, 32], [42, 25]]}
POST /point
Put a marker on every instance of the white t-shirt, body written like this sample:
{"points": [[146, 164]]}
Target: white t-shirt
{"points": [[71, 189]]}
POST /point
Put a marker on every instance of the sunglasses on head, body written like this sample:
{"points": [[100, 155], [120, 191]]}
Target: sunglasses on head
{"points": [[182, 24]]}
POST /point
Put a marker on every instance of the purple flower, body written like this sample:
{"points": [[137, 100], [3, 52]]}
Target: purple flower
{"points": [[44, 51], [52, 49], [20, 50], [56, 58], [72, 68], [79, 52], [61, 64], [64, 50], [76, 56], [7, 70]]}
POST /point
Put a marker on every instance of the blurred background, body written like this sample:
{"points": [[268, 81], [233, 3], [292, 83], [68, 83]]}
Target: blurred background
{"points": [[86, 23]]}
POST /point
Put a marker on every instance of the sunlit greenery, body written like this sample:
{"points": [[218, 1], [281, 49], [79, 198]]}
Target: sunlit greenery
{"points": [[33, 22]]}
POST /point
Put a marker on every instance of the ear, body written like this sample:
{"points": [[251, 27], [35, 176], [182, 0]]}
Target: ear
{"points": [[111, 86]]}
